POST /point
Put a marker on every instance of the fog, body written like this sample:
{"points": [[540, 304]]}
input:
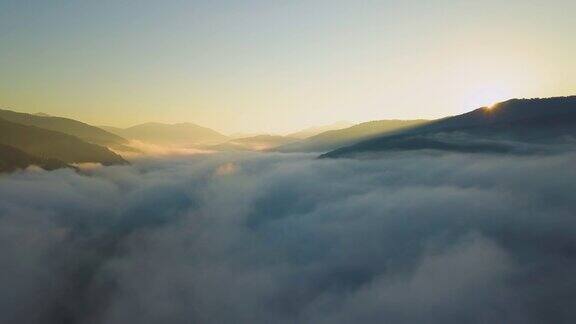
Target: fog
{"points": [[287, 238]]}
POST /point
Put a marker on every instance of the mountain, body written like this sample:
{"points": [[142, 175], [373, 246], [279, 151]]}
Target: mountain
{"points": [[47, 144], [254, 143], [112, 129], [12, 159], [172, 134], [334, 139], [68, 126], [313, 131], [515, 125]]}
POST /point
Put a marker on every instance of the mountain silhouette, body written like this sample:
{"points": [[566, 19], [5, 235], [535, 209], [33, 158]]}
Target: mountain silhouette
{"points": [[512, 126], [47, 144], [334, 139], [171, 134], [68, 126]]}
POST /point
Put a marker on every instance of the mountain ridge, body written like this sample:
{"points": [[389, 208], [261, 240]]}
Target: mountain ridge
{"points": [[261, 142], [315, 130], [185, 133], [529, 121], [81, 130], [334, 139], [48, 144], [12, 159]]}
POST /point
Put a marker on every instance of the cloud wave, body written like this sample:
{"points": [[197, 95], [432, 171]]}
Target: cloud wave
{"points": [[266, 238]]}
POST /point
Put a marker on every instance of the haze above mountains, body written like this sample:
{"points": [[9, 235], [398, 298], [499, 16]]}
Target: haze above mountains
{"points": [[517, 126]]}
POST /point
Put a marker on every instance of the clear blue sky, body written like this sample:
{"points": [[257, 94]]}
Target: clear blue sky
{"points": [[277, 66]]}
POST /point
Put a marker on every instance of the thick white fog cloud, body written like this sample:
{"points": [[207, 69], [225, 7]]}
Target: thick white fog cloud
{"points": [[264, 238]]}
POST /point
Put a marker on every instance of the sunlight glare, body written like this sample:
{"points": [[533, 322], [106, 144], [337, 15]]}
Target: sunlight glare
{"points": [[488, 97]]}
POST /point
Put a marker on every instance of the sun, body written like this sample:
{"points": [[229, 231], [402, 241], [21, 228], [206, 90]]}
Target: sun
{"points": [[487, 97], [492, 106]]}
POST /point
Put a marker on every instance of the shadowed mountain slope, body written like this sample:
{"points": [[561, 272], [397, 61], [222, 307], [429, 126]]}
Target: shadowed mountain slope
{"points": [[47, 144], [338, 138], [516, 124], [12, 159], [68, 126]]}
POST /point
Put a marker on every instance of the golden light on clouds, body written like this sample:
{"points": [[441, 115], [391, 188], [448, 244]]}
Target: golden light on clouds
{"points": [[226, 169]]}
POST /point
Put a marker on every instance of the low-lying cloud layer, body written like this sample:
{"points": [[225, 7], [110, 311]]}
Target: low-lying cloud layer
{"points": [[264, 238]]}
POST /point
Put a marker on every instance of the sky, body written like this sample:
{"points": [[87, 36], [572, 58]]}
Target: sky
{"points": [[279, 66]]}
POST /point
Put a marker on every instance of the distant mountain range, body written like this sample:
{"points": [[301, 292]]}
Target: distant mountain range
{"points": [[517, 125], [68, 126], [47, 144], [182, 134], [53, 142], [253, 143], [313, 131], [334, 139]]}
